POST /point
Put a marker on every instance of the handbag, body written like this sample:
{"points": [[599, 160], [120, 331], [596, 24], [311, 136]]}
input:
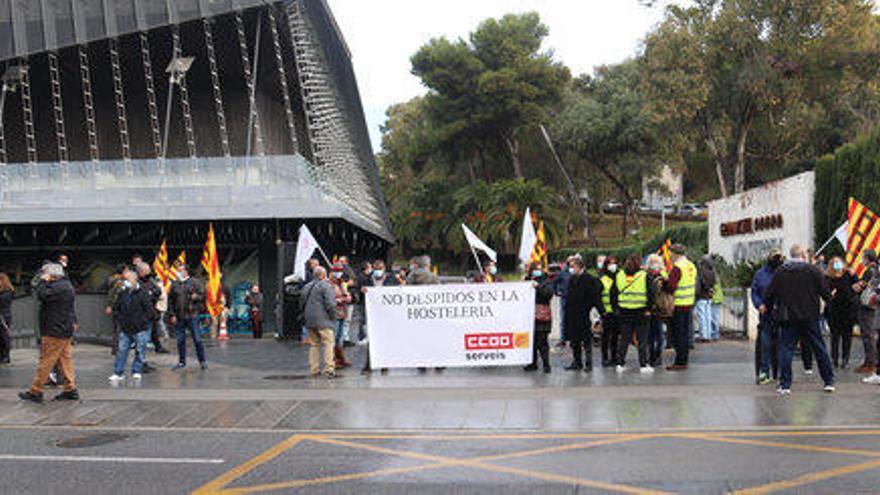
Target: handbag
{"points": [[543, 313], [664, 305]]}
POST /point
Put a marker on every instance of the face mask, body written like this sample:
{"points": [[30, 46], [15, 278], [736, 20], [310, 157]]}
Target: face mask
{"points": [[378, 273], [537, 273], [600, 266], [612, 268], [337, 275], [838, 266], [493, 270], [127, 284]]}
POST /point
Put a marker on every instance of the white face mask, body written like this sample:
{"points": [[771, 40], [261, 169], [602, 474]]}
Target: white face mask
{"points": [[337, 275], [612, 268]]}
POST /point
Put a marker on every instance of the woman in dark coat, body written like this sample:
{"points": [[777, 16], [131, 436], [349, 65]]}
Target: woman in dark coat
{"points": [[841, 310], [543, 295], [7, 292], [584, 294]]}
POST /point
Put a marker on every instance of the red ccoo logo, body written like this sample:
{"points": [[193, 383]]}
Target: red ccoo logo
{"points": [[488, 341]]}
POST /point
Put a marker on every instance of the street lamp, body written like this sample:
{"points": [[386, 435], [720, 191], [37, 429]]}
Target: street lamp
{"points": [[176, 71]]}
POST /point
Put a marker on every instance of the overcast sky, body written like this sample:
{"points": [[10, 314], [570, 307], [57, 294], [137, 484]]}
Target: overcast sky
{"points": [[384, 34]]}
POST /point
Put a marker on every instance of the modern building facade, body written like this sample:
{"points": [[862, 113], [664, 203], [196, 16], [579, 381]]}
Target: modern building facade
{"points": [[124, 123]]}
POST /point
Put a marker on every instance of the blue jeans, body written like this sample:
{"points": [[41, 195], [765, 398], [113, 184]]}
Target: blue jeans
{"points": [[768, 337], [340, 332], [139, 340], [562, 334], [180, 330], [704, 318], [716, 321], [811, 337]]}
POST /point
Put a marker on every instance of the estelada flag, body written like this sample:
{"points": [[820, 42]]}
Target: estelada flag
{"points": [[666, 254], [161, 268], [211, 264], [864, 233], [539, 254]]}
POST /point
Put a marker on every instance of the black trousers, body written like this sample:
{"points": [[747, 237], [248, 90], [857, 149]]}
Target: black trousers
{"points": [[681, 325], [841, 338], [582, 352], [5, 342], [541, 348], [610, 336], [633, 331], [156, 334]]}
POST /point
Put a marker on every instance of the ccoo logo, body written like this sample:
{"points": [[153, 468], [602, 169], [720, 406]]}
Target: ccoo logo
{"points": [[495, 341]]}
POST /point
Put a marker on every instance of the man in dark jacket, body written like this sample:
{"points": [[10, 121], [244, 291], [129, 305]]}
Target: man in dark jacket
{"points": [[793, 299], [767, 343], [57, 324], [584, 294], [134, 310], [185, 305], [153, 287], [870, 280]]}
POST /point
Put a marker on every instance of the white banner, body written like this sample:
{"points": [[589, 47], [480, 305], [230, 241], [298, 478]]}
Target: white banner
{"points": [[467, 325]]}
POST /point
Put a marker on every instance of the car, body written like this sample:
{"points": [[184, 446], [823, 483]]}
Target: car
{"points": [[693, 210], [612, 207]]}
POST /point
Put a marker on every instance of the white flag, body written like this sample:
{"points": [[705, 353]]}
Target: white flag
{"points": [[529, 238], [476, 243], [305, 248], [842, 234]]}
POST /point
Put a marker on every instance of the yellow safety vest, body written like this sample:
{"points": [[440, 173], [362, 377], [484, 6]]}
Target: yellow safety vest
{"points": [[607, 283], [686, 293], [632, 291]]}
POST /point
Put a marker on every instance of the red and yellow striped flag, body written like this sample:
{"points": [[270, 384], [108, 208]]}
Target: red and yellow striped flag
{"points": [[539, 254], [211, 264], [666, 254], [161, 268], [864, 233]]}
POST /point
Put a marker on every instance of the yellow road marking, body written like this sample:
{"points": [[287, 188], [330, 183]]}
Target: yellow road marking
{"points": [[216, 485], [809, 478], [780, 445], [439, 462], [563, 436]]}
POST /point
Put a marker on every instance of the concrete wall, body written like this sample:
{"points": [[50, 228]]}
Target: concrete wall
{"points": [[791, 198]]}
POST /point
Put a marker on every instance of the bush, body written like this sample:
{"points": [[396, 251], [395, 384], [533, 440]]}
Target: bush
{"points": [[850, 172], [694, 236]]}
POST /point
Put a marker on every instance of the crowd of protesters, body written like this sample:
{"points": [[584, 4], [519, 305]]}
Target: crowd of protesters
{"points": [[649, 303]]}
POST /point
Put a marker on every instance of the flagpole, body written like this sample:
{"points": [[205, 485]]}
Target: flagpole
{"points": [[326, 259], [833, 236], [474, 251]]}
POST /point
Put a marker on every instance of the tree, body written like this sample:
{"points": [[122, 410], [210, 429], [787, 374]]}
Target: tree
{"points": [[608, 125], [488, 90], [722, 71]]}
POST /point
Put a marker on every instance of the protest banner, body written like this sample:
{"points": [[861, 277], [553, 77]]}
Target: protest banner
{"points": [[466, 325]]}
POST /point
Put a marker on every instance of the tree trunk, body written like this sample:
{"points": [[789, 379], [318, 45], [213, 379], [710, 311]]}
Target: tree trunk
{"points": [[628, 200], [739, 176], [513, 147], [719, 162], [472, 167]]}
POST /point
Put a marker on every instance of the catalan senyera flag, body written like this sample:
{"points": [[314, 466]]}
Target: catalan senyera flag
{"points": [[161, 268], [666, 254], [539, 254], [211, 264], [864, 233]]}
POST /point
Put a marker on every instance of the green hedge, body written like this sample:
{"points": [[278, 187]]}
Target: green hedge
{"points": [[694, 236], [852, 171]]}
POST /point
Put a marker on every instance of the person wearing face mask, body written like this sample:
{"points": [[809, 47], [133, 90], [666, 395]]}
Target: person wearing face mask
{"points": [[343, 299], [632, 297], [656, 269], [610, 324], [490, 272], [584, 294], [841, 310], [867, 314], [767, 343], [560, 288], [134, 310], [543, 318]]}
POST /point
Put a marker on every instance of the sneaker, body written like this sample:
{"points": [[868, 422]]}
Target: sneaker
{"points": [[116, 378], [179, 366], [330, 375], [872, 379], [204, 366], [808, 372], [646, 370], [67, 395], [619, 369], [763, 379], [783, 392], [30, 396], [136, 376], [829, 388]]}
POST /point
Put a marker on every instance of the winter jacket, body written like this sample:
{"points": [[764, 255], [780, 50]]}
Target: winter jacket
{"points": [[343, 299], [153, 287], [318, 304], [706, 279], [797, 288], [186, 298], [584, 293], [57, 312], [845, 301], [6, 298], [560, 284], [420, 276], [760, 284], [134, 309]]}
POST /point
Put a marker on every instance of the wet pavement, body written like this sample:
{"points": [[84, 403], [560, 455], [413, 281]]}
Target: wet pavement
{"points": [[256, 423]]}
